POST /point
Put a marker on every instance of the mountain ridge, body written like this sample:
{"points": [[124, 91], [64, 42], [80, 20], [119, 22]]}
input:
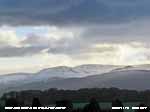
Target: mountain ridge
{"points": [[83, 76]]}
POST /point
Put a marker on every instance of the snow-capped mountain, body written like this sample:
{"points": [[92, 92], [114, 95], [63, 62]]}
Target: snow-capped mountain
{"points": [[60, 71], [15, 79], [82, 76], [78, 71], [135, 67], [132, 79]]}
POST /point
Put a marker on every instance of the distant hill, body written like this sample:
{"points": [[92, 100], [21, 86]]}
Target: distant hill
{"points": [[84, 76], [132, 79]]}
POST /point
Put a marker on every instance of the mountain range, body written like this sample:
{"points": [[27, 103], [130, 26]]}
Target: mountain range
{"points": [[83, 76]]}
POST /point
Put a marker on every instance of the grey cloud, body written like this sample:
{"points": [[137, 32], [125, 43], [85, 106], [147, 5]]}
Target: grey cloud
{"points": [[134, 31], [78, 46], [76, 50], [35, 12], [137, 31], [34, 40], [65, 46], [82, 43], [19, 51]]}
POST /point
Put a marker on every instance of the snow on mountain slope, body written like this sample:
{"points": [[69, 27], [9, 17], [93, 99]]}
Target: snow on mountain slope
{"points": [[78, 71], [135, 67], [87, 70], [66, 72], [52, 75], [132, 79], [15, 79], [84, 76], [60, 71]]}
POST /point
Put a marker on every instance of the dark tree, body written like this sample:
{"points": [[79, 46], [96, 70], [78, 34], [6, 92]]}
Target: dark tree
{"points": [[93, 106], [65, 103], [36, 102], [11, 102]]}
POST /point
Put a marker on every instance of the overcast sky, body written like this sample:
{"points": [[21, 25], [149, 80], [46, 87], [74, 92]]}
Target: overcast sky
{"points": [[37, 34]]}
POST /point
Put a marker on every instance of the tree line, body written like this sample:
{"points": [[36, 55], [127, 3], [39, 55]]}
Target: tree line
{"points": [[53, 95]]}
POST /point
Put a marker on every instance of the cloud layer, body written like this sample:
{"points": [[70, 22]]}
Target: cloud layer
{"points": [[123, 44], [65, 12], [38, 34]]}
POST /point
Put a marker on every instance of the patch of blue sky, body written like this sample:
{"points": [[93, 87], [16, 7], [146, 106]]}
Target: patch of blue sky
{"points": [[25, 30]]}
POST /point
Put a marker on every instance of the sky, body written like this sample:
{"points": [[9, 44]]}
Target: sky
{"points": [[39, 34]]}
